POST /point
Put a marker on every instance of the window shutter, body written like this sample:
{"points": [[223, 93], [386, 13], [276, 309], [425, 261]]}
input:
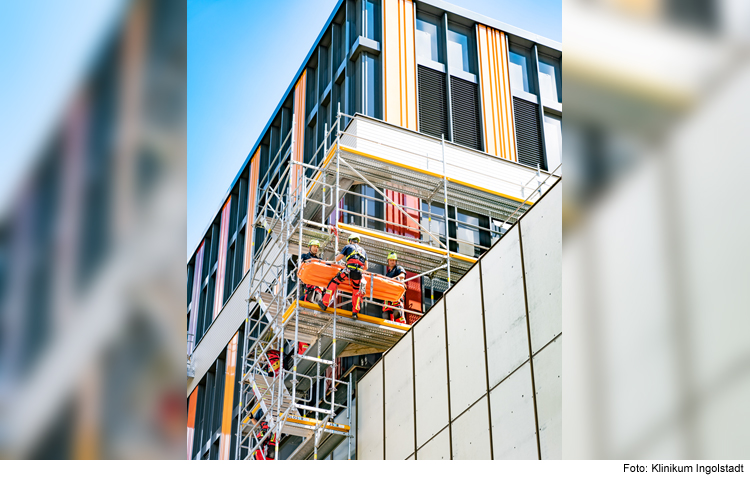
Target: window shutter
{"points": [[433, 119], [528, 135], [465, 106]]}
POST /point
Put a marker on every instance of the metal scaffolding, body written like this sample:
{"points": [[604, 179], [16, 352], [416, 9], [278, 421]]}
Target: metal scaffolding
{"points": [[301, 201]]}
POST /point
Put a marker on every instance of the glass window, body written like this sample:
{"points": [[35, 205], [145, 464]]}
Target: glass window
{"points": [[352, 207], [369, 88], [427, 40], [468, 233], [433, 218], [549, 79], [355, 87], [336, 45], [373, 206], [519, 71], [553, 140], [370, 20], [352, 20], [458, 51]]}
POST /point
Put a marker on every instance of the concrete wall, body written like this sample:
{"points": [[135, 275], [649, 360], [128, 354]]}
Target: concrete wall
{"points": [[479, 376]]}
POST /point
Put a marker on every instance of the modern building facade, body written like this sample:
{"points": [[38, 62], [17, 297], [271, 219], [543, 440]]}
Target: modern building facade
{"points": [[424, 127]]}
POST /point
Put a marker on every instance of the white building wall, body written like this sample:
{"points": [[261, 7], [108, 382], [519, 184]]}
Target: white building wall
{"points": [[474, 391]]}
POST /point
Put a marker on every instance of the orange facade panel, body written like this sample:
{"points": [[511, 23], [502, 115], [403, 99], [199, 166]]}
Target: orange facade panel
{"points": [[298, 142], [225, 442], [223, 238], [192, 401], [497, 102], [252, 190], [399, 64]]}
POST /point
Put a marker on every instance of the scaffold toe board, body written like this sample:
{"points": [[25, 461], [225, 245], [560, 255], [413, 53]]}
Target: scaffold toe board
{"points": [[367, 330], [309, 424]]}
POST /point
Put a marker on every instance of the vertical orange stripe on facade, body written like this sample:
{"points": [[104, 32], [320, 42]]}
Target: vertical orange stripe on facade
{"points": [[508, 100], [501, 86], [493, 92], [225, 442], [509, 127], [192, 400], [250, 228], [299, 130], [223, 238], [481, 79], [497, 106], [499, 77], [411, 68], [399, 69], [385, 69]]}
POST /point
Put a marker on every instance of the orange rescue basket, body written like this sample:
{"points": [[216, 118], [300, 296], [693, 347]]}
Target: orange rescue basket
{"points": [[318, 273]]}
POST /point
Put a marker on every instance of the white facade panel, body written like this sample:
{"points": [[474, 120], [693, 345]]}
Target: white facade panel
{"points": [[468, 376], [437, 448], [431, 375], [226, 324], [548, 382], [425, 154], [370, 399], [513, 423], [471, 433], [399, 400], [541, 232], [504, 308]]}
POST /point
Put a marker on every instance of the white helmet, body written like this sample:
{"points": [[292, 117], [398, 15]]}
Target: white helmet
{"points": [[354, 237]]}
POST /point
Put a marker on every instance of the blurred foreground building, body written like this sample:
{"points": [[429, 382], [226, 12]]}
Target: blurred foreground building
{"points": [[430, 131], [87, 269], [655, 220]]}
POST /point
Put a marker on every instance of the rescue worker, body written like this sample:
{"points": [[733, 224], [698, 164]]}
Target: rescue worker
{"points": [[393, 310], [273, 362], [268, 449], [356, 262], [312, 292]]}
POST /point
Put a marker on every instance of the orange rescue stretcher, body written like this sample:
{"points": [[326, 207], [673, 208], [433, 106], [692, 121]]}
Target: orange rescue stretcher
{"points": [[318, 273]]}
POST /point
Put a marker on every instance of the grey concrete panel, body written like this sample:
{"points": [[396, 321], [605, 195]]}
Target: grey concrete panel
{"points": [[548, 382], [431, 375], [399, 400], [436, 449], [468, 376], [471, 433], [504, 308], [513, 424], [541, 232], [370, 426]]}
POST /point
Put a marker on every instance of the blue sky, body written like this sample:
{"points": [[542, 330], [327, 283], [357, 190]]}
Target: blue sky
{"points": [[242, 56], [45, 50]]}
